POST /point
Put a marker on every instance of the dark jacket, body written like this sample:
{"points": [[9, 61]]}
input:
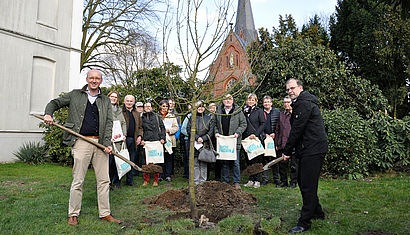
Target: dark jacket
{"points": [[153, 127], [255, 120], [205, 126], [138, 121], [274, 119], [307, 133], [237, 123], [76, 100], [282, 130]]}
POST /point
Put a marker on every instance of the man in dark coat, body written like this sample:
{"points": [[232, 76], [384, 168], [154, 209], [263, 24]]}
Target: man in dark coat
{"points": [[308, 138]]}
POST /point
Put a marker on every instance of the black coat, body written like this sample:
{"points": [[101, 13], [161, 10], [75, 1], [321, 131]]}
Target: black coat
{"points": [[205, 126], [153, 126], [307, 133], [256, 123]]}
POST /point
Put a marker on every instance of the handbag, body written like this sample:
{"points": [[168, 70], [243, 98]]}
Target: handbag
{"points": [[208, 155]]}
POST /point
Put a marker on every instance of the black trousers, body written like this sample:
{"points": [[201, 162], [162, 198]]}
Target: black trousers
{"points": [[308, 180], [283, 169]]}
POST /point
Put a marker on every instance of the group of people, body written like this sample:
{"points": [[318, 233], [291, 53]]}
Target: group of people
{"points": [[297, 131]]}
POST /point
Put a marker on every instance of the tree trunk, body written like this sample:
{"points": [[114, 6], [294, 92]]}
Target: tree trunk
{"points": [[194, 212]]}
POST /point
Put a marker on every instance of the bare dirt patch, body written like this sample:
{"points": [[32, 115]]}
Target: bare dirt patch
{"points": [[215, 200]]}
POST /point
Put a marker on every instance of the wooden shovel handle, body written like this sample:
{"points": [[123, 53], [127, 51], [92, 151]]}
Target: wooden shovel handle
{"points": [[133, 165]]}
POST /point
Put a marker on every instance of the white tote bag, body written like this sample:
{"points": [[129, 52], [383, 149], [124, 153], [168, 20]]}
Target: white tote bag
{"points": [[226, 147], [122, 166], [154, 152], [270, 147], [117, 131], [168, 144], [253, 147]]}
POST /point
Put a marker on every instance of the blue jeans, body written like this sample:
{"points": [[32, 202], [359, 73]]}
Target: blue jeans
{"points": [[233, 166], [133, 153]]}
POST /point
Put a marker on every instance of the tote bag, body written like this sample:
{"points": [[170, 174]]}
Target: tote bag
{"points": [[226, 147], [117, 131], [270, 147], [122, 166], [154, 152], [253, 147], [168, 144]]}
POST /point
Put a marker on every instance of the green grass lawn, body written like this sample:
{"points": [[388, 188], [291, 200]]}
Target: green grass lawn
{"points": [[34, 200]]}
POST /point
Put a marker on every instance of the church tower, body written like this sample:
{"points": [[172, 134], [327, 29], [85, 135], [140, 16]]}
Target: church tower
{"points": [[232, 63]]}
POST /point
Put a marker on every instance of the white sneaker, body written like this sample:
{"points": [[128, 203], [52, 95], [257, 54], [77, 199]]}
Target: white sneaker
{"points": [[257, 184], [249, 184]]}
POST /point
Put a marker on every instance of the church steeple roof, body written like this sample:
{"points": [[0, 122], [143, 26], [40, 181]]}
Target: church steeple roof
{"points": [[245, 26]]}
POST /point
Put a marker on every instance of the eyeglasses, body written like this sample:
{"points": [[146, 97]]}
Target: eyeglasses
{"points": [[291, 88], [164, 106]]}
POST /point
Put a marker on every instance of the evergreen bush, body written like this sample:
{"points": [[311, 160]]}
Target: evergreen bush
{"points": [[352, 143], [53, 138], [32, 153]]}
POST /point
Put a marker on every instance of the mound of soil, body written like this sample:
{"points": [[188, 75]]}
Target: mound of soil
{"points": [[152, 168], [253, 169], [215, 200]]}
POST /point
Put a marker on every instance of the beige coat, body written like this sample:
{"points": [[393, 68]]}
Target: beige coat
{"points": [[170, 118]]}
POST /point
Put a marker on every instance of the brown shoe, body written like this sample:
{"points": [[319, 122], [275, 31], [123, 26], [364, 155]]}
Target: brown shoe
{"points": [[145, 183], [109, 218], [72, 220], [155, 184]]}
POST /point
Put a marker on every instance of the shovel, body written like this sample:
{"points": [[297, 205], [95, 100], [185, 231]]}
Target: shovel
{"points": [[98, 145], [258, 168]]}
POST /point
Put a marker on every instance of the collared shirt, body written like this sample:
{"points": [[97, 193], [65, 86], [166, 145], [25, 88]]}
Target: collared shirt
{"points": [[227, 110], [92, 98]]}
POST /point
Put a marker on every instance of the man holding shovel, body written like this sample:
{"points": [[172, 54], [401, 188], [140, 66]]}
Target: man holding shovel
{"points": [[308, 137], [90, 115]]}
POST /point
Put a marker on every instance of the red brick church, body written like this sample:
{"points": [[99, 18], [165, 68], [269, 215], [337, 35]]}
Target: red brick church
{"points": [[232, 63]]}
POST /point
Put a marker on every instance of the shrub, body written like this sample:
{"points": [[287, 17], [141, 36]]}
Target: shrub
{"points": [[393, 137], [53, 137], [352, 143], [32, 153]]}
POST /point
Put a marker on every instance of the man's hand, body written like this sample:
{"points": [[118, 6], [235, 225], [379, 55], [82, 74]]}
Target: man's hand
{"points": [[236, 135], [217, 135], [162, 141], [108, 150], [48, 119], [285, 157], [252, 137], [138, 140], [142, 143], [272, 135], [199, 140]]}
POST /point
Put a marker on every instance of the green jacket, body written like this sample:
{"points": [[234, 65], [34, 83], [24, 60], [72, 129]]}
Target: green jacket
{"points": [[76, 100], [237, 123]]}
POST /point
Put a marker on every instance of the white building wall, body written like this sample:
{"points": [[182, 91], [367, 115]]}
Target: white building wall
{"points": [[39, 58]]}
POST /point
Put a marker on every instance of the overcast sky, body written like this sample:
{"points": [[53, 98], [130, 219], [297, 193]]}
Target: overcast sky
{"points": [[266, 12]]}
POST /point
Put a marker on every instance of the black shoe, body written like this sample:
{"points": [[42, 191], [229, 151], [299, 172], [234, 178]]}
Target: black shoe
{"points": [[297, 229], [264, 182], [281, 185], [292, 185]]}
